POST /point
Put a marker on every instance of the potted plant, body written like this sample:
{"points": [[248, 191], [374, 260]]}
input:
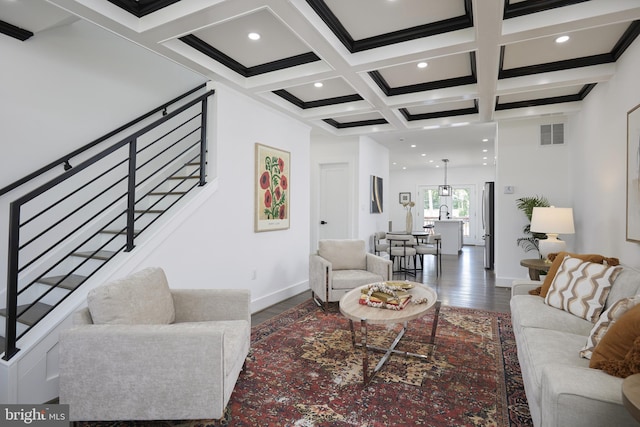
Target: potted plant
{"points": [[526, 205]]}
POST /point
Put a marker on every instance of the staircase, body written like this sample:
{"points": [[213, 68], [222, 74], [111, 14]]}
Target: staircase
{"points": [[66, 229]]}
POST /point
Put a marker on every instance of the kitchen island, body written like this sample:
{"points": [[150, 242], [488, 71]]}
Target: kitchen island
{"points": [[451, 232]]}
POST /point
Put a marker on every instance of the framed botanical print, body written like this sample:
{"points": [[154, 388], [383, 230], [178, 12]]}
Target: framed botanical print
{"points": [[272, 188]]}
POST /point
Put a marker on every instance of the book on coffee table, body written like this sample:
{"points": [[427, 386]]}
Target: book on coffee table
{"points": [[386, 300]]}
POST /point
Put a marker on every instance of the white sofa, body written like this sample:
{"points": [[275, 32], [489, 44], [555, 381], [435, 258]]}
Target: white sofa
{"points": [[142, 351], [561, 389]]}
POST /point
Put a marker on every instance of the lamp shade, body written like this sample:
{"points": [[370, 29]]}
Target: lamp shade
{"points": [[552, 220]]}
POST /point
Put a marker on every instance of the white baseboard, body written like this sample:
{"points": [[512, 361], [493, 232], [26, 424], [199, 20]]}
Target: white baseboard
{"points": [[279, 296]]}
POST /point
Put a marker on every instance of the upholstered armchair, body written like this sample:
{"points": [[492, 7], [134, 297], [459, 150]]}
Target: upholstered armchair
{"points": [[142, 351], [341, 265]]}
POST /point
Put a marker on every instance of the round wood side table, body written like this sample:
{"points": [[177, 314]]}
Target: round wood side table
{"points": [[631, 395], [535, 266]]}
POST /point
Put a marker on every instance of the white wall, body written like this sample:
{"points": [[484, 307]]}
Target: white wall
{"points": [[598, 156], [532, 170], [374, 161], [67, 86], [408, 181]]}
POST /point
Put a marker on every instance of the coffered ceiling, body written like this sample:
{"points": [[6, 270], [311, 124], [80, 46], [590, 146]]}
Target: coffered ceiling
{"points": [[431, 73]]}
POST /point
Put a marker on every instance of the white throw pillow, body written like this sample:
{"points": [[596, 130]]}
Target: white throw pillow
{"points": [[581, 287], [608, 318], [143, 298]]}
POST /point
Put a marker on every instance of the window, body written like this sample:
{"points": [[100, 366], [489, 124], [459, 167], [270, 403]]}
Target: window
{"points": [[458, 205]]}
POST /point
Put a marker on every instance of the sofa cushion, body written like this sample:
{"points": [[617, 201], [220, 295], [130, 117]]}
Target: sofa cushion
{"points": [[350, 279], [539, 348], [606, 320], [140, 298], [627, 284], [529, 311], [344, 254], [618, 340], [581, 287], [557, 261]]}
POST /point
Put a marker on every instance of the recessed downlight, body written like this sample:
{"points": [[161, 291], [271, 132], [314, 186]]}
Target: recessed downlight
{"points": [[318, 84], [254, 36], [422, 64], [562, 39]]}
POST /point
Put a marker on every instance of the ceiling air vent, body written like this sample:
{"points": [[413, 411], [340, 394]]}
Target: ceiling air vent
{"points": [[552, 134]]}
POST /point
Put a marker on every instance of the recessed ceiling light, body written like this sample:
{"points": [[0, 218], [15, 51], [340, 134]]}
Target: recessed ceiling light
{"points": [[413, 145], [431, 127], [422, 65], [485, 150], [459, 124], [562, 39], [485, 140], [254, 36], [404, 167], [430, 161], [424, 154], [484, 158], [318, 84], [484, 164]]}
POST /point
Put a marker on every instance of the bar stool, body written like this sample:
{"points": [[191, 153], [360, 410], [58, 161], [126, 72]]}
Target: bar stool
{"points": [[378, 245]]}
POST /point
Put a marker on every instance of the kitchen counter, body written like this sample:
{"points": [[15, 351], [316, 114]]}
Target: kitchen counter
{"points": [[451, 232]]}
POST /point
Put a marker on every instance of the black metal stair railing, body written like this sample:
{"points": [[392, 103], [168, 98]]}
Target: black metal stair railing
{"points": [[64, 231]]}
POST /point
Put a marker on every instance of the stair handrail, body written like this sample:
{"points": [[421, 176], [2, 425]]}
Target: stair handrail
{"points": [[64, 160], [15, 206]]}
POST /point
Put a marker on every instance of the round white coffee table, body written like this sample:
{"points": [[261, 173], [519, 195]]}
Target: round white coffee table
{"points": [[351, 308]]}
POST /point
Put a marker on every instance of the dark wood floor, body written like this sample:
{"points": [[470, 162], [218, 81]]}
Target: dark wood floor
{"points": [[463, 282]]}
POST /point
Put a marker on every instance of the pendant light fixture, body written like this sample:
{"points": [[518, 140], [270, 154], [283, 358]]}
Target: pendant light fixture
{"points": [[444, 190]]}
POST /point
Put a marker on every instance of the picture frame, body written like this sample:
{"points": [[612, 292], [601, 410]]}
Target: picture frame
{"points": [[376, 194], [404, 198], [633, 174], [272, 188]]}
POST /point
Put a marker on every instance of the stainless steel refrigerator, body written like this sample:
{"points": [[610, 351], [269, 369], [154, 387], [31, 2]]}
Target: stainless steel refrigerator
{"points": [[488, 223]]}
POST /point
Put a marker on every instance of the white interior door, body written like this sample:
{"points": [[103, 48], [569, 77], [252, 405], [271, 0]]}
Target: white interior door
{"points": [[334, 201]]}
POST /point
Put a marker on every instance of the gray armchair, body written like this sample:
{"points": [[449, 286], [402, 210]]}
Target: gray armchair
{"points": [[341, 265], [142, 351]]}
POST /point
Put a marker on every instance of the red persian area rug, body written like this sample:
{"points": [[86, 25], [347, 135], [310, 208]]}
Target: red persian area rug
{"points": [[303, 371]]}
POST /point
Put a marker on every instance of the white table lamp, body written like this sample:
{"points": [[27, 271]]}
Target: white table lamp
{"points": [[552, 221]]}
